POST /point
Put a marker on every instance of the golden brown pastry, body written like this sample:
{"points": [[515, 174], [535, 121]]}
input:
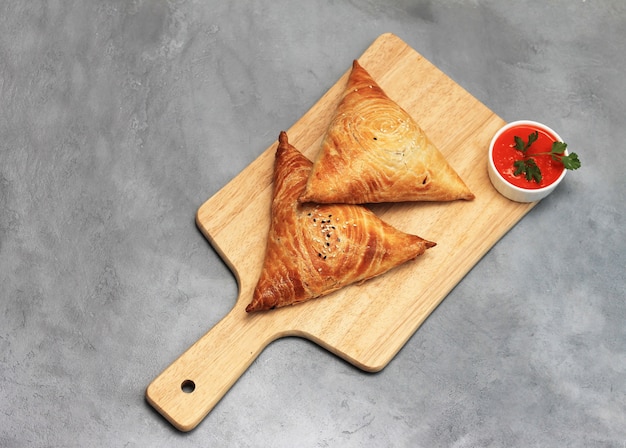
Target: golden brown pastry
{"points": [[314, 249], [374, 151]]}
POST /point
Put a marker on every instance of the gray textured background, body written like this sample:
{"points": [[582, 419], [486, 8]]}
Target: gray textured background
{"points": [[118, 119]]}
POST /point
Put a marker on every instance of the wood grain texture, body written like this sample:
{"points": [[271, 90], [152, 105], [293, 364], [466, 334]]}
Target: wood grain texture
{"points": [[364, 324]]}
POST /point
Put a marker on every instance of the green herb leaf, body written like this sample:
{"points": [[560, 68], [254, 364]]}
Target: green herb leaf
{"points": [[571, 161], [529, 168], [532, 138], [558, 147], [523, 147], [520, 166]]}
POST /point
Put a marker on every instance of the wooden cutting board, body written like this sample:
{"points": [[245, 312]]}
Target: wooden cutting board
{"points": [[364, 324]]}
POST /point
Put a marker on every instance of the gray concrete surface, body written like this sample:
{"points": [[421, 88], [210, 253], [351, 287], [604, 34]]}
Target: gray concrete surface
{"points": [[118, 119]]}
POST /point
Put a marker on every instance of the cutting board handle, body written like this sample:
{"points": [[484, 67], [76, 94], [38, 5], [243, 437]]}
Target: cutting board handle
{"points": [[191, 386]]}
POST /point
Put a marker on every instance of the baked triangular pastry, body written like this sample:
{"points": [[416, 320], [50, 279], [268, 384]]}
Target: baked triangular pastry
{"points": [[314, 249], [374, 151]]}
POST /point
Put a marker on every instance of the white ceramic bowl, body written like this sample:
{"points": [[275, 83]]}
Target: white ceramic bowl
{"points": [[506, 188]]}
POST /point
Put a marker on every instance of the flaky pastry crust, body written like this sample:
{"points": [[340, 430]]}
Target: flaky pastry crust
{"points": [[373, 151], [315, 249]]}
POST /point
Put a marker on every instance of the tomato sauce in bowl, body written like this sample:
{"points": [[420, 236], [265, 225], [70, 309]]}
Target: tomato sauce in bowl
{"points": [[503, 154]]}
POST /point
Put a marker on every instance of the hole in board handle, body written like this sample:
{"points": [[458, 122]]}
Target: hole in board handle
{"points": [[188, 386]]}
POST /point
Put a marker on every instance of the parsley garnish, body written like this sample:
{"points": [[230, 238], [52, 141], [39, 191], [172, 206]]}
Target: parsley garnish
{"points": [[527, 165], [529, 168]]}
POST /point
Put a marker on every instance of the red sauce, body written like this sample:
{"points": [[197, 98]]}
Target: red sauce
{"points": [[505, 154]]}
